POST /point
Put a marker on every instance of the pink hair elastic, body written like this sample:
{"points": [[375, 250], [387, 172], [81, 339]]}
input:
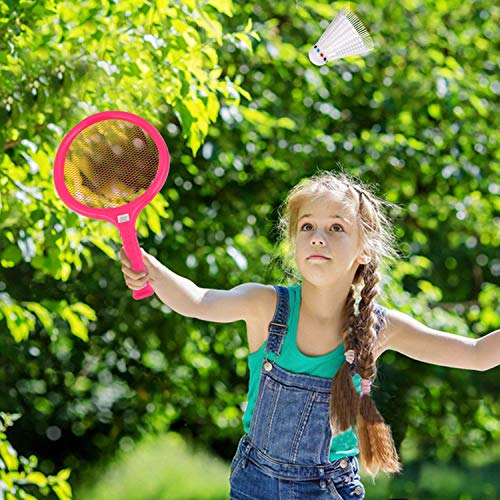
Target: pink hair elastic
{"points": [[350, 355], [365, 385]]}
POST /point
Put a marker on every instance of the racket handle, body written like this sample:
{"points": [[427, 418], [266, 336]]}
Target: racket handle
{"points": [[133, 252]]}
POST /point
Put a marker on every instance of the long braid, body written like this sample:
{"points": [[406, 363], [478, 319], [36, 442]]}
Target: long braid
{"points": [[376, 445], [344, 398], [367, 334]]}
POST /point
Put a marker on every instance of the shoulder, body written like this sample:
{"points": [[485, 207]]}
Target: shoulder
{"points": [[263, 298], [259, 291]]}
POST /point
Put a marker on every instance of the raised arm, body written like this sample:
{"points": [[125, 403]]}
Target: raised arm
{"points": [[406, 335], [188, 299]]}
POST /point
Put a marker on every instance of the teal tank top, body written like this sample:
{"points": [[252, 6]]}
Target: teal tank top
{"points": [[293, 360]]}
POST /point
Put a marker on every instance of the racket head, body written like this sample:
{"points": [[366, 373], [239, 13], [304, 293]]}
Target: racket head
{"points": [[119, 160], [131, 209]]}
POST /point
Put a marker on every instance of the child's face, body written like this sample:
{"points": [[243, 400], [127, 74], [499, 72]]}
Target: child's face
{"points": [[334, 237]]}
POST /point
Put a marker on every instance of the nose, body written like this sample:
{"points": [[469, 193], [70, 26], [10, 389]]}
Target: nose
{"points": [[317, 240]]}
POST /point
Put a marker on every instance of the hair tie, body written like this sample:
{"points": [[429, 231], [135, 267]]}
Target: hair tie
{"points": [[365, 386], [349, 356]]}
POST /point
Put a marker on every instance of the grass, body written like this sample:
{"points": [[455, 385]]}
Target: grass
{"points": [[429, 481], [161, 468]]}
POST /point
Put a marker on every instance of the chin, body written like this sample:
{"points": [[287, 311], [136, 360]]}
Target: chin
{"points": [[319, 277]]}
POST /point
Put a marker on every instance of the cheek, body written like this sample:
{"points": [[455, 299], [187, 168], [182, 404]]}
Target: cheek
{"points": [[299, 249], [300, 244]]}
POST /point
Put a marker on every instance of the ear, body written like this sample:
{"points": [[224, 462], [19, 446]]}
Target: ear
{"points": [[363, 258]]}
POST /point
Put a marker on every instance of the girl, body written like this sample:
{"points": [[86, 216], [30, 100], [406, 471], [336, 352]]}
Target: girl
{"points": [[299, 439]]}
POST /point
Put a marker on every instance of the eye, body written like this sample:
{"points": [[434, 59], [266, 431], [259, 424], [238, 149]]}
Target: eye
{"points": [[304, 226]]}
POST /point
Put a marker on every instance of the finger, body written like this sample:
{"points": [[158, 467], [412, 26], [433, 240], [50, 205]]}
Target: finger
{"points": [[136, 284], [133, 275], [123, 257]]}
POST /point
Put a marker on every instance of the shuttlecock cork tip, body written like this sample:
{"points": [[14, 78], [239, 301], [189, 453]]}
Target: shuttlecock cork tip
{"points": [[316, 56]]}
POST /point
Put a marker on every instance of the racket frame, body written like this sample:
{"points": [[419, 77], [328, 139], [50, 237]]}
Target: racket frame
{"points": [[125, 216]]}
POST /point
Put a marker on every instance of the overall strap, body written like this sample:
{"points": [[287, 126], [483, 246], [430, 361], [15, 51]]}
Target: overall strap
{"points": [[278, 326]]}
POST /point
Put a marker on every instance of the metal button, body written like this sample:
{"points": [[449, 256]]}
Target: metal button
{"points": [[358, 490], [343, 463], [268, 366]]}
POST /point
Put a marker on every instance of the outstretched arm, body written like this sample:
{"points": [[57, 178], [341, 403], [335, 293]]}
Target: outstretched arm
{"points": [[242, 302], [406, 335]]}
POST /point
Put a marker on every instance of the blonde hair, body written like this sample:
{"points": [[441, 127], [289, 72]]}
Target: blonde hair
{"points": [[347, 407]]}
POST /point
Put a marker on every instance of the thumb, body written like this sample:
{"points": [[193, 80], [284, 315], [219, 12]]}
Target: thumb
{"points": [[145, 258], [149, 261]]}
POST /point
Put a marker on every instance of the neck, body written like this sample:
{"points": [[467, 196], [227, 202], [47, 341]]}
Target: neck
{"points": [[324, 305]]}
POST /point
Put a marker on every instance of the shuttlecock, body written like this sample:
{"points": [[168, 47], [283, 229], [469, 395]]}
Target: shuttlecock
{"points": [[345, 36]]}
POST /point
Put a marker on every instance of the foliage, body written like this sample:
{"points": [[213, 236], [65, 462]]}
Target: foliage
{"points": [[245, 116], [161, 49], [18, 474]]}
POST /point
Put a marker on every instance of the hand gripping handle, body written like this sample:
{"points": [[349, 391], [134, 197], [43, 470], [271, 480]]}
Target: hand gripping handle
{"points": [[133, 252]]}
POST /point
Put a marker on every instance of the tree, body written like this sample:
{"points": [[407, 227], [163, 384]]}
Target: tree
{"points": [[414, 116]]}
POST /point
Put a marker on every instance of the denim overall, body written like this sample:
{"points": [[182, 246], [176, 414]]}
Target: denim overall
{"points": [[285, 454]]}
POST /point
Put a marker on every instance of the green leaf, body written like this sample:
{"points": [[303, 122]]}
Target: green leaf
{"points": [[223, 6], [416, 144], [436, 55], [434, 111], [213, 107], [152, 218], [37, 478], [9, 456], [42, 314], [84, 310], [11, 256], [64, 474], [62, 490], [185, 117], [479, 105], [76, 325], [19, 321], [286, 123], [102, 245], [432, 292]]}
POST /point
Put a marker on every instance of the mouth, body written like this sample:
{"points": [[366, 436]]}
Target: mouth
{"points": [[318, 257]]}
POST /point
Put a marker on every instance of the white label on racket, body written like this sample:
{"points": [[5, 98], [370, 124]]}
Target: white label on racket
{"points": [[123, 218]]}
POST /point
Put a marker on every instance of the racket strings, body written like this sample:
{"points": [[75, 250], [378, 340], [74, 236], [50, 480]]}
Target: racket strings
{"points": [[110, 163]]}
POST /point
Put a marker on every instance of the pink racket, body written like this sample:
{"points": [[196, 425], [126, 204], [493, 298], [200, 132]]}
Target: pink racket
{"points": [[110, 166]]}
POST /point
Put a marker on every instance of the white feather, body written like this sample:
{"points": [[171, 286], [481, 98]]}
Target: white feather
{"points": [[345, 36]]}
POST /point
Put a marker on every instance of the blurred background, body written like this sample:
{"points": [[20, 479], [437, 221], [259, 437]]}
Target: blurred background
{"points": [[105, 397]]}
